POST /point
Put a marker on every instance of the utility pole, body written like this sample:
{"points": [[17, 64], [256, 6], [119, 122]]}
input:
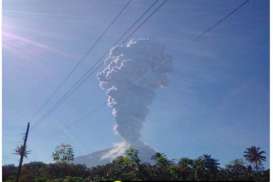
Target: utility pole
{"points": [[22, 154]]}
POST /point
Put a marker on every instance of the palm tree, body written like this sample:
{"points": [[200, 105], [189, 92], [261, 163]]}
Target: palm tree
{"points": [[205, 168], [210, 163], [132, 154], [161, 159], [254, 155], [163, 166], [185, 167]]}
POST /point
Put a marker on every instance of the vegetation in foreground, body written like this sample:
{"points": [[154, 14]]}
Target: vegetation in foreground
{"points": [[129, 167]]}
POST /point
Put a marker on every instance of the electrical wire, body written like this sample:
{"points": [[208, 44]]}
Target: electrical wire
{"points": [[94, 44], [96, 66], [221, 20]]}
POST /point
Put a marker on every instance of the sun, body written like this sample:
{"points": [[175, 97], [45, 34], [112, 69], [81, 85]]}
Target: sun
{"points": [[21, 41]]}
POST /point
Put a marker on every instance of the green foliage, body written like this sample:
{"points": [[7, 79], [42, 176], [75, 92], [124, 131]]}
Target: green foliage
{"points": [[161, 160], [40, 179], [73, 179], [132, 154], [255, 156], [238, 170], [129, 167], [63, 153], [9, 172], [185, 168]]}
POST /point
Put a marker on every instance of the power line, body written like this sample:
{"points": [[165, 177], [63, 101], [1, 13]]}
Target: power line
{"points": [[135, 23], [22, 152], [84, 77], [66, 127], [221, 20], [209, 29], [137, 20], [146, 19], [75, 86], [83, 58], [94, 67], [99, 63]]}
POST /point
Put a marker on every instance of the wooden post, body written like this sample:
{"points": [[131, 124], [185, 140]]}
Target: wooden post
{"points": [[22, 154]]}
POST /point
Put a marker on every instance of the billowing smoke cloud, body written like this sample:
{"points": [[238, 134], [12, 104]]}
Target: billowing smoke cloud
{"points": [[132, 74]]}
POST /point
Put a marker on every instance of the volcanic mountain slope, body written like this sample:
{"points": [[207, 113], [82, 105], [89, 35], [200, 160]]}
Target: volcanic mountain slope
{"points": [[107, 155]]}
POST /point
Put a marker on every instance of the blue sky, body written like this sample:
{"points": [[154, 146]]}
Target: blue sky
{"points": [[217, 101]]}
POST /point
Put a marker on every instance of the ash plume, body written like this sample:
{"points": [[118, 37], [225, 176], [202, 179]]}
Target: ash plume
{"points": [[132, 74]]}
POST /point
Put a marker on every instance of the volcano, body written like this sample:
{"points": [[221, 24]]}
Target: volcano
{"points": [[132, 73], [105, 156]]}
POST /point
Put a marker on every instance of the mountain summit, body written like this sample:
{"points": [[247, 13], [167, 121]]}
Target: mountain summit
{"points": [[105, 156]]}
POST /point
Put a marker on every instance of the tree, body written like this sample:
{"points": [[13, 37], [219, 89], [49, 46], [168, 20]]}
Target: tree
{"points": [[185, 168], [236, 165], [255, 156], [206, 167], [237, 169], [161, 159], [9, 171], [132, 154], [199, 169], [63, 153], [210, 163], [123, 168], [163, 167], [185, 162]]}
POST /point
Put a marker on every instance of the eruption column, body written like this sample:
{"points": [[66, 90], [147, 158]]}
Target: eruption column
{"points": [[132, 74]]}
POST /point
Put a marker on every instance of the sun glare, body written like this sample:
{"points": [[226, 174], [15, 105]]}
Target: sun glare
{"points": [[25, 46]]}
